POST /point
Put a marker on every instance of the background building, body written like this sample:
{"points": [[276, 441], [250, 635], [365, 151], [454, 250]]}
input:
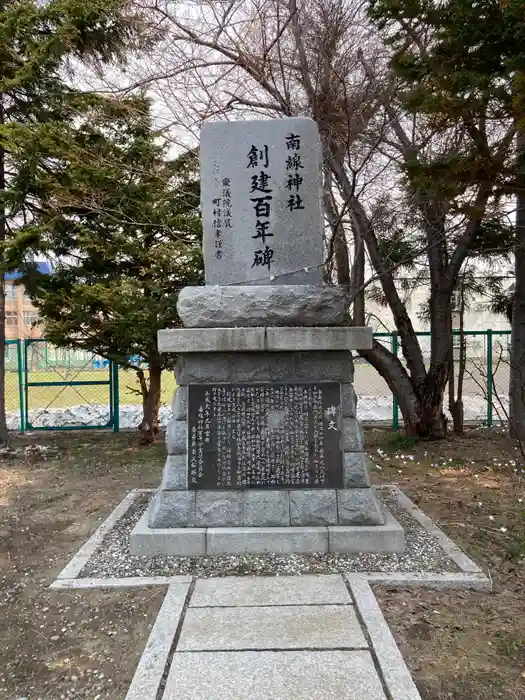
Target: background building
{"points": [[21, 317]]}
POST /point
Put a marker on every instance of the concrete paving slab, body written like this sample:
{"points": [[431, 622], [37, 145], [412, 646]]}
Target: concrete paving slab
{"points": [[266, 675], [283, 627], [271, 590]]}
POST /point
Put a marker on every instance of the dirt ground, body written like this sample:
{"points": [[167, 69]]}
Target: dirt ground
{"points": [[462, 645], [86, 644], [68, 644]]}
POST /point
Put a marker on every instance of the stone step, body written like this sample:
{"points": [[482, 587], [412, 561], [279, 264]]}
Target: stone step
{"points": [[193, 541]]}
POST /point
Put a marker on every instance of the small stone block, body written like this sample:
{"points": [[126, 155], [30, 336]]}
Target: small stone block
{"points": [[179, 406], [175, 474], [172, 509], [355, 471], [282, 627], [348, 400], [266, 508], [313, 507], [219, 509], [148, 542], [262, 540], [359, 507], [353, 438], [177, 437]]}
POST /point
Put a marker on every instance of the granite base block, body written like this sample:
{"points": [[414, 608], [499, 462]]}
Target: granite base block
{"points": [[172, 509], [279, 305], [266, 540], [193, 541], [253, 367], [148, 542], [179, 405], [266, 508], [177, 437], [355, 471], [313, 507], [219, 509], [354, 539], [359, 507], [348, 400], [353, 438], [175, 473]]}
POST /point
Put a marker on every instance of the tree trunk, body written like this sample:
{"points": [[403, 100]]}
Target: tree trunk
{"points": [[517, 350], [4, 435], [149, 426]]}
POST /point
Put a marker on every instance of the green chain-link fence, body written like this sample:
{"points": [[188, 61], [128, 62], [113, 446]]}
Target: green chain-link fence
{"points": [[55, 388]]}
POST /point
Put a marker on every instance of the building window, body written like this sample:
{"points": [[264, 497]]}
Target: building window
{"points": [[11, 292], [10, 318], [31, 317]]}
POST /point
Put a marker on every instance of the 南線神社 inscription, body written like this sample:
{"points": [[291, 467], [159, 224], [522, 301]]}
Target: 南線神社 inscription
{"points": [[264, 436], [261, 194]]}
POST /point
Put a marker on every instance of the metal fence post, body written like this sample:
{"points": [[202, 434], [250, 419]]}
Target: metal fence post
{"points": [[116, 397], [395, 406], [20, 368], [489, 377]]}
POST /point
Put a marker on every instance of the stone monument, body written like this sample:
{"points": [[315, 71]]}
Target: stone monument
{"points": [[265, 453]]}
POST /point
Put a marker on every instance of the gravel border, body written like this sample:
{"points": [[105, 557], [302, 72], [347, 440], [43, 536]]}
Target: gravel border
{"points": [[431, 559]]}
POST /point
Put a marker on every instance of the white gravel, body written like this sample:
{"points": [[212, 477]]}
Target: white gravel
{"points": [[112, 558]]}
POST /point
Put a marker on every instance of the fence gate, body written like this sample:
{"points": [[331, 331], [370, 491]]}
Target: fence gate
{"points": [[67, 389]]}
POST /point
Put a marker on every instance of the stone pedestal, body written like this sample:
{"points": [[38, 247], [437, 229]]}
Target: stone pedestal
{"points": [[290, 473]]}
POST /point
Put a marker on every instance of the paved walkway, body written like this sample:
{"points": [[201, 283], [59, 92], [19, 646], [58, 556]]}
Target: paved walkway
{"points": [[278, 638]]}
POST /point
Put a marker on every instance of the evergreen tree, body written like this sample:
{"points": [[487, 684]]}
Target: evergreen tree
{"points": [[462, 65], [122, 221], [37, 39]]}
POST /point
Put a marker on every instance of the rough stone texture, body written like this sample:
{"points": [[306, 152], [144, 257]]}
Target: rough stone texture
{"points": [[355, 471], [359, 507], [177, 437], [260, 540], [353, 438], [348, 400], [182, 340], [294, 675], [172, 541], [266, 508], [172, 509], [283, 627], [326, 589], [283, 305], [230, 212], [175, 474], [219, 509], [203, 368], [322, 339], [179, 405], [313, 507]]}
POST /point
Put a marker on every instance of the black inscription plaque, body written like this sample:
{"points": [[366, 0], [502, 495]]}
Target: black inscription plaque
{"points": [[265, 436]]}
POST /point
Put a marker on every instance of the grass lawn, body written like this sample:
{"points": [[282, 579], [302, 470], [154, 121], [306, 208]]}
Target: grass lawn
{"points": [[459, 645], [61, 397]]}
